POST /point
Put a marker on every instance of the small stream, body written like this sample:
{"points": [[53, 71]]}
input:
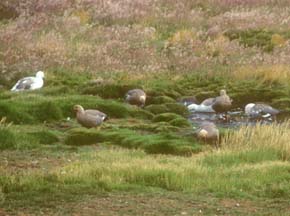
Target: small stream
{"points": [[236, 120]]}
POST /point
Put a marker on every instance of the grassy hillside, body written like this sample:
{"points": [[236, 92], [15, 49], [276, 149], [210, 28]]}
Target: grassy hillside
{"points": [[142, 160]]}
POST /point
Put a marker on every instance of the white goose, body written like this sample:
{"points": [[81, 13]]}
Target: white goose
{"points": [[260, 110], [29, 83]]}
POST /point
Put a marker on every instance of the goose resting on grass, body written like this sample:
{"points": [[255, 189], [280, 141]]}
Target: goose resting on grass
{"points": [[136, 97], [260, 110], [29, 83], [89, 118], [208, 132]]}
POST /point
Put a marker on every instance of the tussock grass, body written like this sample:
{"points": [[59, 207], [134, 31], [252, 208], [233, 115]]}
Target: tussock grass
{"points": [[260, 137], [173, 119], [179, 109], [34, 108], [110, 90], [24, 137], [161, 143]]}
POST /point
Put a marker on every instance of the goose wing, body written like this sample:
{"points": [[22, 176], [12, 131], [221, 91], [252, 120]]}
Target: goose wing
{"points": [[89, 120], [265, 109], [24, 84], [96, 113], [208, 102]]}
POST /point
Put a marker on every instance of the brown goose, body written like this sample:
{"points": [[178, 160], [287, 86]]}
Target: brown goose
{"points": [[222, 103], [136, 97], [208, 132], [89, 118]]}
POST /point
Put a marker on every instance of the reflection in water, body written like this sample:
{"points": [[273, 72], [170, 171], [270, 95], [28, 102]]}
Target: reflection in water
{"points": [[237, 119]]}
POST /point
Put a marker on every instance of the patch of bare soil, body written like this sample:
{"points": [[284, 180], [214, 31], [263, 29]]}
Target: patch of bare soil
{"points": [[153, 204], [15, 162], [165, 203]]}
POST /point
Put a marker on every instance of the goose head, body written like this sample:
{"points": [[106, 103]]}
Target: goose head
{"points": [[40, 74], [78, 109]]}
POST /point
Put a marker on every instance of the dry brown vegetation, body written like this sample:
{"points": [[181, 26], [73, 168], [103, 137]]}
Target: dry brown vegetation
{"points": [[141, 37]]}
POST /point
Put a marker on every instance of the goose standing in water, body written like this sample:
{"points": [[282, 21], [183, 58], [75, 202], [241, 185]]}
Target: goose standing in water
{"points": [[222, 103], [136, 97], [260, 111], [29, 83], [218, 104], [89, 118], [205, 106]]}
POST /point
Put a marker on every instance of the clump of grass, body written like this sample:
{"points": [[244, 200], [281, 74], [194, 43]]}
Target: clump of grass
{"points": [[180, 122], [47, 111], [260, 137], [145, 126], [7, 137], [109, 90], [173, 119], [176, 108], [122, 110], [83, 136], [165, 117], [33, 108], [161, 100], [17, 137], [151, 143], [45, 136]]}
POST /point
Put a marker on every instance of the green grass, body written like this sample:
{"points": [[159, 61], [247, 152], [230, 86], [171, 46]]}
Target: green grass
{"points": [[153, 142], [26, 137], [113, 170], [34, 108], [163, 143]]}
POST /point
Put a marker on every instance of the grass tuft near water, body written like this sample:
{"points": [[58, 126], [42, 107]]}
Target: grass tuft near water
{"points": [[260, 138], [163, 143]]}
